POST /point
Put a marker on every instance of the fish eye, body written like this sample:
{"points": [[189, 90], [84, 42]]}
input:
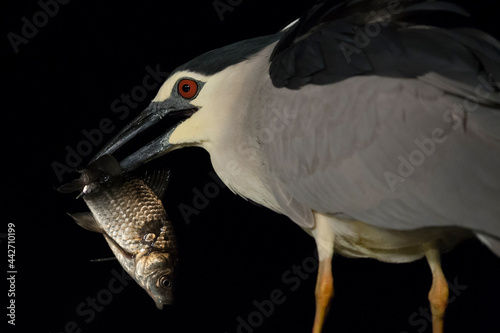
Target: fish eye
{"points": [[165, 282]]}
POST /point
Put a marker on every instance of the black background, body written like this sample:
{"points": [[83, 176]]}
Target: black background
{"points": [[64, 81]]}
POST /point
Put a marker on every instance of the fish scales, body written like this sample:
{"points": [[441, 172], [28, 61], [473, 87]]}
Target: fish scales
{"points": [[141, 212], [129, 212]]}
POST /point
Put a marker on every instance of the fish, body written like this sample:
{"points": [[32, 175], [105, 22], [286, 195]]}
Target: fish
{"points": [[128, 211]]}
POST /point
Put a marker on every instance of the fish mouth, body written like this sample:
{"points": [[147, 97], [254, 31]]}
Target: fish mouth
{"points": [[162, 301], [160, 304], [160, 288], [156, 118]]}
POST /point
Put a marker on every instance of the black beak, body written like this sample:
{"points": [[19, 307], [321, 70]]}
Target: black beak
{"points": [[153, 115]]}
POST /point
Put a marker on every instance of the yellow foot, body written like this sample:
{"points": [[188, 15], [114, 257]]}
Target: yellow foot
{"points": [[438, 295], [324, 293]]}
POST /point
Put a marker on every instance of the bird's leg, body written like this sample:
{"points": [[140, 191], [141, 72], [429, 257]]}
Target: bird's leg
{"points": [[324, 236], [438, 295], [324, 293]]}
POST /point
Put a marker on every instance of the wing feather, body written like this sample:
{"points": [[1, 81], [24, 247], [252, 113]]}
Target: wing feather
{"points": [[400, 130], [395, 153]]}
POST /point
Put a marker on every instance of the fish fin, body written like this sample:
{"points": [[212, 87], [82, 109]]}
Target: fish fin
{"points": [[75, 185], [113, 244], [86, 221], [107, 164], [78, 184], [157, 181], [103, 259]]}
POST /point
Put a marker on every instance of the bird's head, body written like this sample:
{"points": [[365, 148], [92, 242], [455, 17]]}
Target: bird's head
{"points": [[193, 104]]}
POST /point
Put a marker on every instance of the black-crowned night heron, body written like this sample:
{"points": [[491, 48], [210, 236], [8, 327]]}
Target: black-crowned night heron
{"points": [[374, 126]]}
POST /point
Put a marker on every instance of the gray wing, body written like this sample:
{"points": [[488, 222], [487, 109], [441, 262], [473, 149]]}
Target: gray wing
{"points": [[406, 136]]}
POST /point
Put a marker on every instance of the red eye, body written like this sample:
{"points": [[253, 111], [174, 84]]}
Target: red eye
{"points": [[188, 88]]}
